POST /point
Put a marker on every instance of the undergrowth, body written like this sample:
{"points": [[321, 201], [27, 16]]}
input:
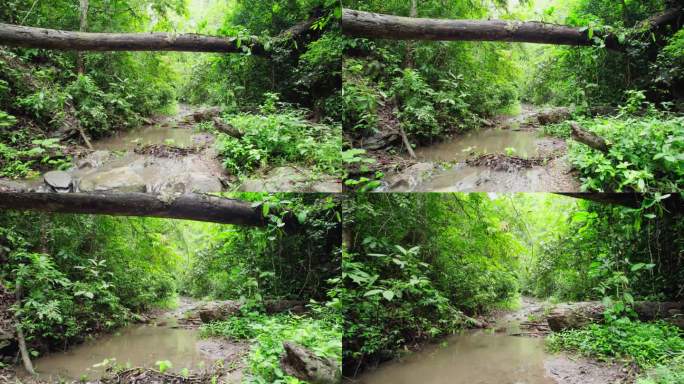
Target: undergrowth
{"points": [[646, 344], [645, 154], [280, 138], [322, 334]]}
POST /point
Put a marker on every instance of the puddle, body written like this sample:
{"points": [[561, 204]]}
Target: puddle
{"points": [[462, 147], [475, 357]]}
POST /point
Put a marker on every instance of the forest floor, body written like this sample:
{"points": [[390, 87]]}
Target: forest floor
{"points": [[170, 335], [508, 153], [167, 154]]}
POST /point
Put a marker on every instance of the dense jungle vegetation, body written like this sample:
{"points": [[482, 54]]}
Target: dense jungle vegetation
{"points": [[283, 102], [419, 267], [435, 90], [68, 278]]}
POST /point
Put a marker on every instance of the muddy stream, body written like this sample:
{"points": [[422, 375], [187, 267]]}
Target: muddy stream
{"points": [[142, 345], [499, 355], [168, 154], [443, 166]]}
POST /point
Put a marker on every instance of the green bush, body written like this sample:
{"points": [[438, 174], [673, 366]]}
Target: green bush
{"points": [[646, 344], [645, 154], [274, 139], [322, 335], [82, 275]]}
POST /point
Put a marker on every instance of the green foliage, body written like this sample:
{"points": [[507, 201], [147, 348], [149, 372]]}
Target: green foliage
{"points": [[605, 251], [42, 153], [645, 154], [321, 334], [416, 263], [269, 262], [646, 344], [431, 89], [595, 76], [672, 372], [83, 274], [163, 365], [353, 159], [306, 71], [283, 138]]}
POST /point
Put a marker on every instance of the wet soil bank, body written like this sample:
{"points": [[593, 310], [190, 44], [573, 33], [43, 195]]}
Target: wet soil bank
{"points": [[509, 154], [163, 335], [168, 154], [510, 351]]}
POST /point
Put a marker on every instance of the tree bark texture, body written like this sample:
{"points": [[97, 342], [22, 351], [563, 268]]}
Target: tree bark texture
{"points": [[190, 206], [30, 37], [376, 25]]}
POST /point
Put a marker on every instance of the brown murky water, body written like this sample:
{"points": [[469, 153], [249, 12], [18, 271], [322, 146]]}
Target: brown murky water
{"points": [[141, 345], [477, 357], [460, 148], [166, 130], [151, 134]]}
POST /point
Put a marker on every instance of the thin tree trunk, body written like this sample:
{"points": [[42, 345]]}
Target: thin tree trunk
{"points": [[407, 143], [409, 64], [82, 28], [25, 356]]}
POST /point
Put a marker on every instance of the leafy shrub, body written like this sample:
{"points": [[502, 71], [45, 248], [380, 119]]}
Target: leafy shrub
{"points": [[361, 101], [240, 262], [647, 344], [279, 139], [645, 154], [90, 274], [323, 336], [15, 163]]}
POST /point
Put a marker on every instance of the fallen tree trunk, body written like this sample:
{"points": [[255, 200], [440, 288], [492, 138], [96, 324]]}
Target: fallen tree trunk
{"points": [[577, 315], [226, 128], [375, 25], [189, 206], [588, 138], [31, 37]]}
